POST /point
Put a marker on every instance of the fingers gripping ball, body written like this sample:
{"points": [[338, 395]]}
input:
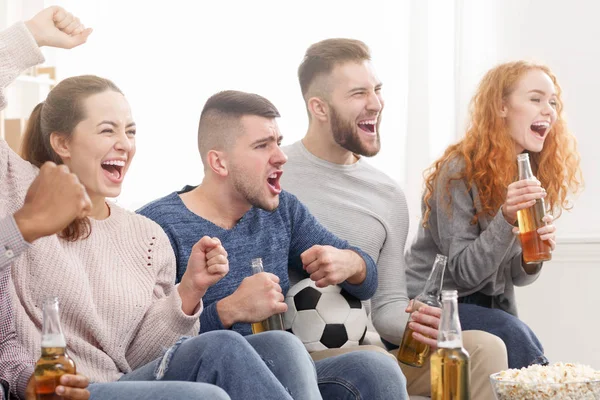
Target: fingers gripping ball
{"points": [[324, 318]]}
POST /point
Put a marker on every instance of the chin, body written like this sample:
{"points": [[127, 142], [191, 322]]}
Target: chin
{"points": [[271, 205], [111, 193], [536, 148]]}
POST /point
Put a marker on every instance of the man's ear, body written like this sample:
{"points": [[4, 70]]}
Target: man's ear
{"points": [[318, 109], [217, 161], [60, 145]]}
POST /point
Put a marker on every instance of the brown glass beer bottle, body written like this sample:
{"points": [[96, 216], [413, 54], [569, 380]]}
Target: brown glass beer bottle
{"points": [[411, 351], [275, 321], [535, 250]]}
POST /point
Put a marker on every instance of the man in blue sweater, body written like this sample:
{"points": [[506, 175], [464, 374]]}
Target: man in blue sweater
{"points": [[241, 202]]}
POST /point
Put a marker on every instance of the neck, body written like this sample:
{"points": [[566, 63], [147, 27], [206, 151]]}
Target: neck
{"points": [[320, 143], [100, 209], [215, 202]]}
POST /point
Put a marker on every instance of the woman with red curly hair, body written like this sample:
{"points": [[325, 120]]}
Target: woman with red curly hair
{"points": [[472, 196]]}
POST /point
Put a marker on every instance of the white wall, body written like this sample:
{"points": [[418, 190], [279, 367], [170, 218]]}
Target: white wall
{"points": [[168, 60]]}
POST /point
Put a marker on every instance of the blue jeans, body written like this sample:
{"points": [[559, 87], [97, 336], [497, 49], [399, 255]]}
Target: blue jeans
{"points": [[361, 375], [270, 365], [522, 345], [156, 390]]}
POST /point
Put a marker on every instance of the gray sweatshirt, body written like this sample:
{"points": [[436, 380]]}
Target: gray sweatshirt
{"points": [[367, 208], [483, 257]]}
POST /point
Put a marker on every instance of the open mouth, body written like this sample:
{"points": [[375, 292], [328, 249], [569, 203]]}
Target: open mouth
{"points": [[273, 182], [113, 170], [540, 128], [368, 126]]}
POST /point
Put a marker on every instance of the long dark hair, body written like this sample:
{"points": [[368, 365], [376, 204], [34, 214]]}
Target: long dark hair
{"points": [[62, 110]]}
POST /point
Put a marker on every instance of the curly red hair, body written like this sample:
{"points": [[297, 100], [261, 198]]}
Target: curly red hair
{"points": [[489, 154]]}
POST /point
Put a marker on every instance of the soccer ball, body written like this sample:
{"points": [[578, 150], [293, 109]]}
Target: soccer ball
{"points": [[324, 318]]}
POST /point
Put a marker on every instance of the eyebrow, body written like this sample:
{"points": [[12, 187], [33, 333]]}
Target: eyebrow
{"points": [[540, 92], [115, 124], [267, 139]]}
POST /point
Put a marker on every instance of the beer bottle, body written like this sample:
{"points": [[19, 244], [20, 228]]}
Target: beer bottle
{"points": [[54, 361], [411, 351], [275, 321], [450, 362], [535, 250]]}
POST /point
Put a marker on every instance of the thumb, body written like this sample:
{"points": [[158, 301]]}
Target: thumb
{"points": [[205, 244], [81, 38], [310, 255]]}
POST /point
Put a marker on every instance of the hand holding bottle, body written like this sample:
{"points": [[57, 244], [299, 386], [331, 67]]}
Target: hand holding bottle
{"points": [[521, 194], [546, 232], [425, 323], [72, 387], [257, 298]]}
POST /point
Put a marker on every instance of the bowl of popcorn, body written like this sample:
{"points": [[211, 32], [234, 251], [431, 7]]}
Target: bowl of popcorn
{"points": [[559, 381]]}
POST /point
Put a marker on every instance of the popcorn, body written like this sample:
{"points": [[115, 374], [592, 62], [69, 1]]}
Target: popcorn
{"points": [[560, 381]]}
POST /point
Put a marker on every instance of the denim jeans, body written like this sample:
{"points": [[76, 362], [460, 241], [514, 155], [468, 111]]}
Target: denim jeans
{"points": [[361, 375], [270, 365], [522, 345], [156, 390]]}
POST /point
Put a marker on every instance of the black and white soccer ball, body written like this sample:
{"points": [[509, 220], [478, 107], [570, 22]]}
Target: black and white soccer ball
{"points": [[324, 318]]}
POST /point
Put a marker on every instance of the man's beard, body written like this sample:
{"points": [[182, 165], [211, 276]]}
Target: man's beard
{"points": [[345, 134], [249, 191]]}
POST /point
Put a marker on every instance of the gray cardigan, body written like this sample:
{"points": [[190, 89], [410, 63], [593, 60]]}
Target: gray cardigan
{"points": [[483, 257]]}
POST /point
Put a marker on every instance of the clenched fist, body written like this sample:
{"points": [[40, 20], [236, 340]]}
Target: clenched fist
{"points": [[56, 27], [54, 199], [328, 265], [207, 265]]}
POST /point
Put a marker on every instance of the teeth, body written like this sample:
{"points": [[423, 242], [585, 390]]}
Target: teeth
{"points": [[544, 124], [371, 122], [118, 163], [273, 176]]}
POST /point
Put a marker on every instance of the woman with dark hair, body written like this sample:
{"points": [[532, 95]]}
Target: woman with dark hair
{"points": [[472, 196], [114, 272]]}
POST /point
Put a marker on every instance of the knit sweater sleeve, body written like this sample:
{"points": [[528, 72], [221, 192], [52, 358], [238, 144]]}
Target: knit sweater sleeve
{"points": [[306, 232], [164, 322], [389, 303], [18, 51], [475, 257]]}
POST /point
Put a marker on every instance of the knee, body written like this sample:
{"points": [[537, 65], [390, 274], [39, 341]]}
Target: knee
{"points": [[379, 365], [220, 340], [486, 350], [212, 392], [285, 340], [195, 391]]}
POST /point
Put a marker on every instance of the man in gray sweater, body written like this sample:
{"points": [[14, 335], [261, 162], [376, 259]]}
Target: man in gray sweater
{"points": [[328, 172]]}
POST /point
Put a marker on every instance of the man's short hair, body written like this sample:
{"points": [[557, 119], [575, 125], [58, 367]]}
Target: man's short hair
{"points": [[220, 118], [322, 57]]}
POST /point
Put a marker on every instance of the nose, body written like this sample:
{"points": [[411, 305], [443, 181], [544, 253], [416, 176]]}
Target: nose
{"points": [[124, 142], [375, 102], [279, 158]]}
